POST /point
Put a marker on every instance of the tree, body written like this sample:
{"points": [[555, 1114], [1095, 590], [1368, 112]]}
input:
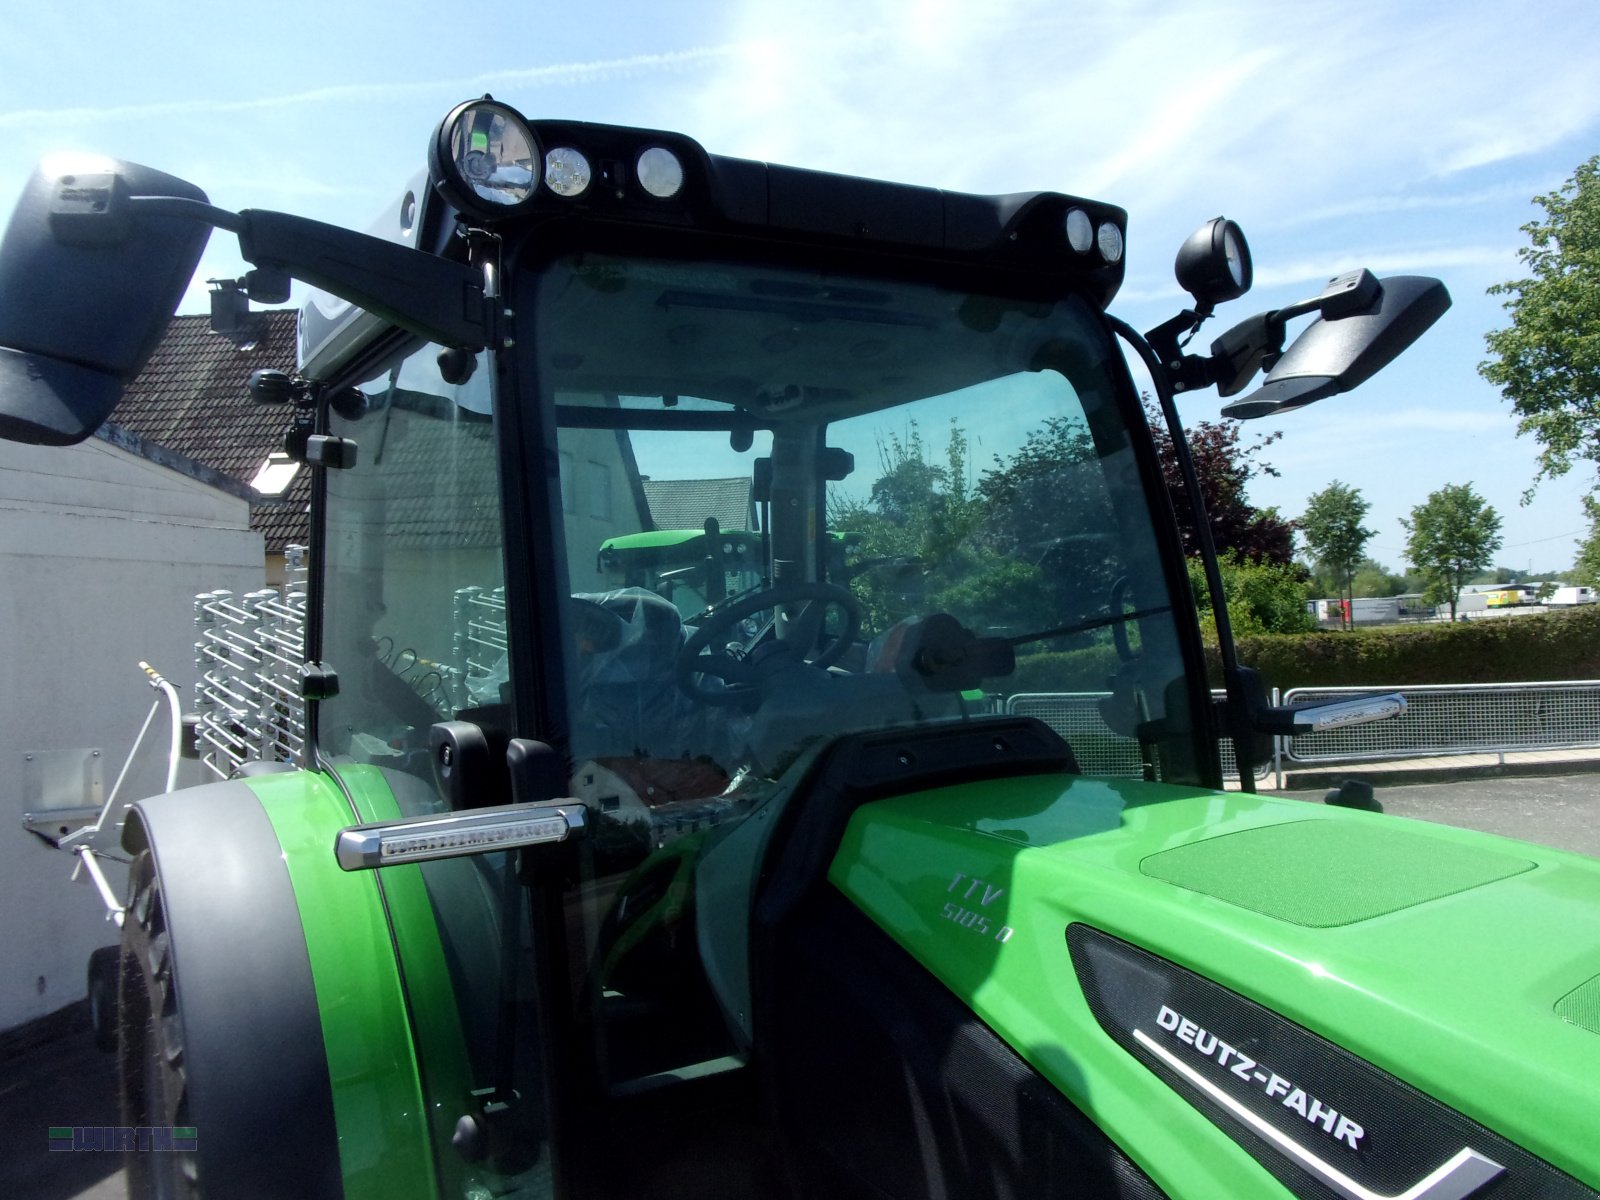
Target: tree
{"points": [[1263, 597], [1372, 578], [1586, 570], [1548, 362], [1224, 469], [1333, 531], [1451, 536]]}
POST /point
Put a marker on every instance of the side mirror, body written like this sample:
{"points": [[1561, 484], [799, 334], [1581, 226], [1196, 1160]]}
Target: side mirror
{"points": [[1336, 354], [96, 259], [84, 299]]}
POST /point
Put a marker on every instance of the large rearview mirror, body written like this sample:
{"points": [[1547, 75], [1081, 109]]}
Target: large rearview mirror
{"points": [[85, 300], [1334, 355]]}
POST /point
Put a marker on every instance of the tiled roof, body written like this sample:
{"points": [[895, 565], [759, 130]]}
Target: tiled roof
{"points": [[686, 503], [191, 398]]}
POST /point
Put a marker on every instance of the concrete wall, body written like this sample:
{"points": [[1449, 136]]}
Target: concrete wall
{"points": [[101, 554]]}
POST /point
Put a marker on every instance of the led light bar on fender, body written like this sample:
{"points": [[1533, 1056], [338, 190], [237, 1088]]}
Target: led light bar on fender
{"points": [[456, 835]]}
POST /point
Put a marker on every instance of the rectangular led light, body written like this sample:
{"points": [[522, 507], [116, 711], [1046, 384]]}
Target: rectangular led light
{"points": [[456, 835], [1321, 717]]}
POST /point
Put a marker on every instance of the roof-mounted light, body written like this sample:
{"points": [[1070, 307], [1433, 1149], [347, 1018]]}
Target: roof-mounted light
{"points": [[1109, 239], [485, 158], [1080, 231], [660, 172], [456, 835], [1214, 263], [567, 172]]}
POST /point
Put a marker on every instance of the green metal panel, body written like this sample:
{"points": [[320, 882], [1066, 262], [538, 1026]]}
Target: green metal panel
{"points": [[1454, 992], [377, 1097], [435, 1020], [396, 1055], [652, 540]]}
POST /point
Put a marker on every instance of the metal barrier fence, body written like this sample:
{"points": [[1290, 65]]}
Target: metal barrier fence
{"points": [[1099, 751], [1467, 718]]}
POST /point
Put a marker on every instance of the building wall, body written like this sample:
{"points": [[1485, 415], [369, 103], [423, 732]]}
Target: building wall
{"points": [[101, 554]]}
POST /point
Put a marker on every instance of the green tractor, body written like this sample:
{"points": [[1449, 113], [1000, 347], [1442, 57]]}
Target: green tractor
{"points": [[757, 899], [694, 568]]}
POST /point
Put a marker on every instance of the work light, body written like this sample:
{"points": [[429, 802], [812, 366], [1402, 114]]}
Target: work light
{"points": [[1109, 238], [485, 159], [567, 172], [1214, 263], [1080, 231], [660, 172], [455, 835]]}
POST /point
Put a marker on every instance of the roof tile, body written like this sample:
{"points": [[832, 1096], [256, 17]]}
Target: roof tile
{"points": [[191, 398]]}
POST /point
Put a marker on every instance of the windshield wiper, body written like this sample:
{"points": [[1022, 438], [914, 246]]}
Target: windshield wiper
{"points": [[1134, 614]]}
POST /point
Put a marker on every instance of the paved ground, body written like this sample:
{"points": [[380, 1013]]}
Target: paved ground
{"points": [[1552, 810], [1445, 768], [53, 1075]]}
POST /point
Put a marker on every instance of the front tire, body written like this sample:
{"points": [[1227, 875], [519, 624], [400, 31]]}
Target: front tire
{"points": [[153, 1078], [103, 966]]}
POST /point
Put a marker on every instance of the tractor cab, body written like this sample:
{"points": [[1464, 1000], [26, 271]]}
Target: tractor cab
{"points": [[957, 536], [759, 740]]}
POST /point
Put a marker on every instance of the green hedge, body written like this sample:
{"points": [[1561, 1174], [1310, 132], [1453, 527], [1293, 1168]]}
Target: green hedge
{"points": [[1512, 649], [1063, 671]]}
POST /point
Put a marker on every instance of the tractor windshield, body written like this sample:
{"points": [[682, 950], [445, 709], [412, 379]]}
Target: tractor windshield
{"points": [[928, 507]]}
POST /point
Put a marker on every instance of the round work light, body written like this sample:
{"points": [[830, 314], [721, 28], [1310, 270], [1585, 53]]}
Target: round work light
{"points": [[660, 172], [1109, 238], [1214, 263], [567, 172], [1080, 231], [485, 158]]}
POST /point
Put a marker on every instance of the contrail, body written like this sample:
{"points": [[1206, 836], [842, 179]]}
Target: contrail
{"points": [[546, 76]]}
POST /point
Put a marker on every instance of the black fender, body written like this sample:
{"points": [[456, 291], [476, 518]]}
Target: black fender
{"points": [[246, 1061]]}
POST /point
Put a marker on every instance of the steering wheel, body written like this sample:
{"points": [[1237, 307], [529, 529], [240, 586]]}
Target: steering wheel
{"points": [[740, 676]]}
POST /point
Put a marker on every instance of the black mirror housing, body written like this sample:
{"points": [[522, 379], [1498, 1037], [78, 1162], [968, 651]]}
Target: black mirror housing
{"points": [[1338, 354], [84, 297]]}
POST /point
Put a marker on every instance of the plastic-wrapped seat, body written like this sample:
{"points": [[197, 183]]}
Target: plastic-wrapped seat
{"points": [[626, 700]]}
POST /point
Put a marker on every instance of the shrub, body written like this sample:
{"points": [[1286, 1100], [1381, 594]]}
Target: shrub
{"points": [[1539, 647]]}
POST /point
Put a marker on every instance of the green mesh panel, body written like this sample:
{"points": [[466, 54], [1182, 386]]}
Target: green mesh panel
{"points": [[1324, 873], [1581, 1006]]}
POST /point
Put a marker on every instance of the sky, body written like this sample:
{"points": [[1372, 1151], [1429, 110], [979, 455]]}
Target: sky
{"points": [[1406, 138]]}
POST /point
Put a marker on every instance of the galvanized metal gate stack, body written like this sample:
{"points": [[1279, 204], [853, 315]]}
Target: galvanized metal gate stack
{"points": [[248, 653]]}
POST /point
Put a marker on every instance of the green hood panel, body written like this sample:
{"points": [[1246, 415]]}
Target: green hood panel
{"points": [[1438, 955]]}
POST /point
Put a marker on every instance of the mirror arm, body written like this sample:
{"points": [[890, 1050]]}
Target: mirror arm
{"points": [[432, 297], [1184, 372], [1254, 344], [178, 206]]}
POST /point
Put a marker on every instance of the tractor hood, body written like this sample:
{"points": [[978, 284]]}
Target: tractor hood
{"points": [[1314, 981]]}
